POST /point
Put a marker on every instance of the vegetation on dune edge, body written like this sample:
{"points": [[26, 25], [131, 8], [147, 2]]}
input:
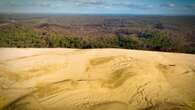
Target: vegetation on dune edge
{"points": [[155, 40]]}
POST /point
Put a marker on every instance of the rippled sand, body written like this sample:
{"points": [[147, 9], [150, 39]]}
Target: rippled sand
{"points": [[96, 79]]}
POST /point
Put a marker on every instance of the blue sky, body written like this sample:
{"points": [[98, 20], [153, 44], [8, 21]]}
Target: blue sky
{"points": [[159, 7]]}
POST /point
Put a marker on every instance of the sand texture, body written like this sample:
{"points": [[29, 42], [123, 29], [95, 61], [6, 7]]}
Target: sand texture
{"points": [[96, 79]]}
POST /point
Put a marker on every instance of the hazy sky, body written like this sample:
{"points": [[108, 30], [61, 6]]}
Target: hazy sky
{"points": [[167, 7]]}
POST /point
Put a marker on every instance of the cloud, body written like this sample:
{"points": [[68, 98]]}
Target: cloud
{"points": [[88, 2], [168, 5], [84, 2], [107, 7], [24, 3], [133, 6], [92, 2], [50, 3]]}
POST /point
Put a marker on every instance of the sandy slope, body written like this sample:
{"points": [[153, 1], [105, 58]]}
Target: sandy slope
{"points": [[98, 79]]}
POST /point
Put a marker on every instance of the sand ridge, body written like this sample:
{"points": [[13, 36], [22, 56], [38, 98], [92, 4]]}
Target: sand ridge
{"points": [[96, 79]]}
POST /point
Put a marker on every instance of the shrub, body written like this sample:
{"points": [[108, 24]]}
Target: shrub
{"points": [[159, 41]]}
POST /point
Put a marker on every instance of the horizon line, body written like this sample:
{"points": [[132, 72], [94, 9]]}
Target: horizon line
{"points": [[10, 13]]}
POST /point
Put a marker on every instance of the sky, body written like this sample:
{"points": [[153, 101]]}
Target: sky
{"points": [[138, 7]]}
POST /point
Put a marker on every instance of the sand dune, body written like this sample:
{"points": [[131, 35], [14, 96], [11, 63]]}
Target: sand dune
{"points": [[97, 79]]}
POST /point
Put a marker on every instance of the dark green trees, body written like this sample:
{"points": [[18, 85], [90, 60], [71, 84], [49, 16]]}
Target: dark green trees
{"points": [[154, 40]]}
